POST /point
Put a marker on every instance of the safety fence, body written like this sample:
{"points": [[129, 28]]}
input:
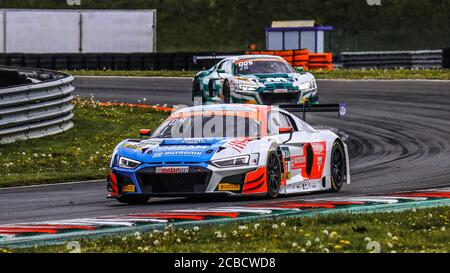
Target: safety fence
{"points": [[393, 59], [302, 58], [36, 105]]}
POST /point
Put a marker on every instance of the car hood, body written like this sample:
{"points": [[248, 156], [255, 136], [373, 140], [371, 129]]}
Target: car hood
{"points": [[193, 150]]}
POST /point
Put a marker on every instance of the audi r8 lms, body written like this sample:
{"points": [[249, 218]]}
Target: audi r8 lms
{"points": [[255, 79], [233, 149]]}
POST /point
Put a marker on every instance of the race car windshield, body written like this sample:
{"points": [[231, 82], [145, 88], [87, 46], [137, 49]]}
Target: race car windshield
{"points": [[216, 126], [249, 67]]}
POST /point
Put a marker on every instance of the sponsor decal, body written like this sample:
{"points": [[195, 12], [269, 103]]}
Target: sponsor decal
{"points": [[276, 80], [319, 163], [128, 188], [342, 110], [318, 147], [177, 153], [238, 144], [171, 170], [298, 162], [182, 147], [193, 140], [229, 187]]}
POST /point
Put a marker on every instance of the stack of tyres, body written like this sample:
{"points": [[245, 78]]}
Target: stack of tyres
{"points": [[301, 58], [320, 61], [446, 57]]}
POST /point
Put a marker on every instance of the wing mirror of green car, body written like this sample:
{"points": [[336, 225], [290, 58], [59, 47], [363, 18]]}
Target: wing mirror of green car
{"points": [[220, 71], [299, 69]]}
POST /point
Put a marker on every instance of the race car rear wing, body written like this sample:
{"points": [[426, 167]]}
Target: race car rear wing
{"points": [[340, 109]]}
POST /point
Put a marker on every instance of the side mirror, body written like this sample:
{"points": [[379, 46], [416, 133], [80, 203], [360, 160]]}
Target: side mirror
{"points": [[145, 132], [299, 69], [286, 130], [220, 71]]}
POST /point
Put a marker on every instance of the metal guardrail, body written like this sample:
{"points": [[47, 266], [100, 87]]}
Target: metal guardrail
{"points": [[393, 59], [38, 109]]}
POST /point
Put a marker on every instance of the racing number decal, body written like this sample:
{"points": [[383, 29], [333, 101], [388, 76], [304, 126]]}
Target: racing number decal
{"points": [[245, 65]]}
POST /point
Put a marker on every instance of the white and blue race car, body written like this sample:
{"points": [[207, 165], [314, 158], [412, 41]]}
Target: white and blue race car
{"points": [[255, 79], [233, 149]]}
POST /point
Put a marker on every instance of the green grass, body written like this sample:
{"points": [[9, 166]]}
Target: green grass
{"points": [[429, 74], [82, 153], [425, 230]]}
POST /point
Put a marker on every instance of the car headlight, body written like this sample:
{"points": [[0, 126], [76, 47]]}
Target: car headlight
{"points": [[306, 85], [247, 87], [127, 163], [238, 161]]}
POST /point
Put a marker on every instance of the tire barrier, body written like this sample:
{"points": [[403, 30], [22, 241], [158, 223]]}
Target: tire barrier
{"points": [[446, 57], [302, 58], [35, 104], [114, 61], [393, 59]]}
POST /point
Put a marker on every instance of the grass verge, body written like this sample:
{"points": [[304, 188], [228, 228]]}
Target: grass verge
{"points": [[423, 230], [389, 74], [82, 153]]}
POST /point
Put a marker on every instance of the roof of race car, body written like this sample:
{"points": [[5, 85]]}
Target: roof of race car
{"points": [[246, 57], [223, 109]]}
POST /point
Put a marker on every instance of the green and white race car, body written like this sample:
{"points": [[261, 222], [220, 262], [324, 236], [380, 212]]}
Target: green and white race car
{"points": [[254, 79]]}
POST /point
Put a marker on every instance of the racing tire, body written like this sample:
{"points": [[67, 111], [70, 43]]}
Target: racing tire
{"points": [[210, 89], [337, 168], [274, 170], [226, 91], [196, 90], [133, 200]]}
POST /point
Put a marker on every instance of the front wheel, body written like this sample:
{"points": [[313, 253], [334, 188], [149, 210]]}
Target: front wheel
{"points": [[273, 174], [196, 90], [133, 200], [226, 92], [337, 167]]}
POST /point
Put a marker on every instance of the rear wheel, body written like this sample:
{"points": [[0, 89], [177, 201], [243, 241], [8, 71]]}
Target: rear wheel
{"points": [[133, 200], [273, 174], [337, 167], [226, 92]]}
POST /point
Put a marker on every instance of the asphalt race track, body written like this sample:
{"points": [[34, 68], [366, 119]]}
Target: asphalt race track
{"points": [[398, 137]]}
